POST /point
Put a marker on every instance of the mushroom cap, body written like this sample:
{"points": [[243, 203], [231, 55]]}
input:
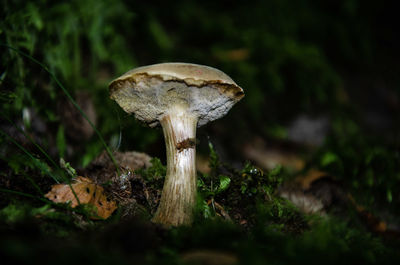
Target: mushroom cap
{"points": [[150, 92]]}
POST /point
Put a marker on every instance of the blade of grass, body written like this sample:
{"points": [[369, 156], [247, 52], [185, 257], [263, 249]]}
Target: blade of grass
{"points": [[58, 205], [25, 195], [40, 166], [34, 184], [69, 98], [33, 142]]}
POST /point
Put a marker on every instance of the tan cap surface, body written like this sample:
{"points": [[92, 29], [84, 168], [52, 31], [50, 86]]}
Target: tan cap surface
{"points": [[151, 91]]}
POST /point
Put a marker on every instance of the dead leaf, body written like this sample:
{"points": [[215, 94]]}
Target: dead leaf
{"points": [[305, 180], [268, 157], [87, 193]]}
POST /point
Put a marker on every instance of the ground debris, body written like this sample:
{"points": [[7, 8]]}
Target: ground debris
{"points": [[125, 186]]}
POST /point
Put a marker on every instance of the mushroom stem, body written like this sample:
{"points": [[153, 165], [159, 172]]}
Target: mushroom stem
{"points": [[179, 192]]}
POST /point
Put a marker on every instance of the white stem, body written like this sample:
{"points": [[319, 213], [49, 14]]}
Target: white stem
{"points": [[178, 197]]}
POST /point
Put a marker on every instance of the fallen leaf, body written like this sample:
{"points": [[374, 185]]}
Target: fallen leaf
{"points": [[268, 157], [87, 193], [305, 180]]}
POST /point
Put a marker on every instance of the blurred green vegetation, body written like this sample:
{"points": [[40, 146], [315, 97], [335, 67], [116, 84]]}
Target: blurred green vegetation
{"points": [[335, 59]]}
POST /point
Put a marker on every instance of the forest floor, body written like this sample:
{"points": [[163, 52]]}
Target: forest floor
{"points": [[244, 216]]}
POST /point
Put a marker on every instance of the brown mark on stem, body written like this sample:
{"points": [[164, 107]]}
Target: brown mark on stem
{"points": [[185, 144]]}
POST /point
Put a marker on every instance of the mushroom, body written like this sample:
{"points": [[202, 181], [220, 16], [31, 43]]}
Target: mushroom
{"points": [[180, 97]]}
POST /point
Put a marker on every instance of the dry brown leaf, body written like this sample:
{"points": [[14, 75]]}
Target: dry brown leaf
{"points": [[305, 180], [87, 193], [268, 157]]}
